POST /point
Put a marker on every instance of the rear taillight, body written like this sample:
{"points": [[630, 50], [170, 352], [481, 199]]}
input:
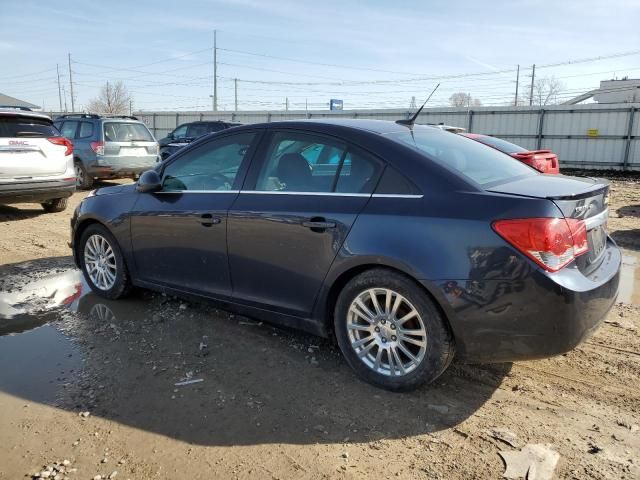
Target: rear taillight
{"points": [[64, 142], [97, 147], [550, 242]]}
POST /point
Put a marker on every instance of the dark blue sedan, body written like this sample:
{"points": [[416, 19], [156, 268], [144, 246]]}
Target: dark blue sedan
{"points": [[410, 244]]}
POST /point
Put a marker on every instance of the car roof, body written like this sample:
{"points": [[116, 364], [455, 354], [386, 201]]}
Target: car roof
{"points": [[13, 112], [381, 127]]}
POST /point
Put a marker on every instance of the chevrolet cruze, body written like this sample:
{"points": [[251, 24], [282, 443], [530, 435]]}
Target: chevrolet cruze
{"points": [[409, 244]]}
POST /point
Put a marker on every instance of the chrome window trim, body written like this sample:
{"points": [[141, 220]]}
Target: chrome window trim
{"points": [[323, 194], [281, 192], [396, 195], [200, 191], [597, 220]]}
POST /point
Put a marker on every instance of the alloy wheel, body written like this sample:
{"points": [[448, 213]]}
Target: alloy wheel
{"points": [[386, 332], [100, 262], [79, 176]]}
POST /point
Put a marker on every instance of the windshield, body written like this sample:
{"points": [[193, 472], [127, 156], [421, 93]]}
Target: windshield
{"points": [[126, 132], [502, 145], [475, 161]]}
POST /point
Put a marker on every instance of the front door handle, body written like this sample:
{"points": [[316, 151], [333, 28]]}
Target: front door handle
{"points": [[318, 224], [207, 220]]}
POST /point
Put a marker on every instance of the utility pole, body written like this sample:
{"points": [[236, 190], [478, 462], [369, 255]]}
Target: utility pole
{"points": [[59, 94], [235, 89], [64, 93], [515, 101], [215, 73], [130, 107], [73, 108], [286, 103], [533, 77]]}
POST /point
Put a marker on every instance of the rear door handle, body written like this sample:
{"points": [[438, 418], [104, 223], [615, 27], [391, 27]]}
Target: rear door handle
{"points": [[318, 224], [207, 220]]}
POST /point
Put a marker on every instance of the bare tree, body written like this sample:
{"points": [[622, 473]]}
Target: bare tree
{"points": [[113, 98], [462, 99], [546, 90]]}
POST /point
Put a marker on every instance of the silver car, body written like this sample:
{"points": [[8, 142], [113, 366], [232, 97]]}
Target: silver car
{"points": [[36, 162], [108, 146]]}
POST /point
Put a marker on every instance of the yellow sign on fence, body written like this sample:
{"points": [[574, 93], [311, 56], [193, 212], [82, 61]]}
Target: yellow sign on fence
{"points": [[593, 132]]}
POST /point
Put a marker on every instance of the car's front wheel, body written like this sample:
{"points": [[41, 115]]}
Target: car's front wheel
{"points": [[390, 331], [102, 262], [55, 205]]}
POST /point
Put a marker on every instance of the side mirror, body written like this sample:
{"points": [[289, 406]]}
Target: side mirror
{"points": [[149, 182], [170, 135]]}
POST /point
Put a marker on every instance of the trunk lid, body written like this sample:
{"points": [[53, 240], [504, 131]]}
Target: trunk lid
{"points": [[582, 198]]}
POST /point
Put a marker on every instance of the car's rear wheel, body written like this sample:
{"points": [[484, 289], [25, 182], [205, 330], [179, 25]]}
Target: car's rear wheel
{"points": [[102, 262], [390, 331], [83, 180], [55, 205]]}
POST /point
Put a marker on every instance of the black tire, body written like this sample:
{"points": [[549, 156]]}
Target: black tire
{"points": [[55, 205], [439, 350], [122, 284], [83, 180]]}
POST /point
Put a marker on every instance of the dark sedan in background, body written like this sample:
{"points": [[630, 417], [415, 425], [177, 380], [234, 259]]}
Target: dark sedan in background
{"points": [[186, 133], [409, 244]]}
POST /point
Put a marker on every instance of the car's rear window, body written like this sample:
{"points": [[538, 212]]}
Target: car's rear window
{"points": [[126, 132], [483, 165], [26, 127], [502, 145]]}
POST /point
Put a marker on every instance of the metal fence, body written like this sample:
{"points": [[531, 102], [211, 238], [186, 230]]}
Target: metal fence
{"points": [[584, 136]]}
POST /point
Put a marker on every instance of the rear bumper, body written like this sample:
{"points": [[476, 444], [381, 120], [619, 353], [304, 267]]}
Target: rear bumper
{"points": [[37, 191], [121, 167], [537, 316]]}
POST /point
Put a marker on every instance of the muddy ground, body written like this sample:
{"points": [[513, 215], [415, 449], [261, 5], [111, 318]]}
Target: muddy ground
{"points": [[275, 404]]}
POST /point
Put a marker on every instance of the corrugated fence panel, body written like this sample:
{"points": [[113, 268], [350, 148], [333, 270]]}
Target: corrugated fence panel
{"points": [[634, 154], [579, 123], [599, 152], [500, 123]]}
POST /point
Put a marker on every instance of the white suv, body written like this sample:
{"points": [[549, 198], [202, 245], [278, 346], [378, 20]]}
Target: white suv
{"points": [[36, 162]]}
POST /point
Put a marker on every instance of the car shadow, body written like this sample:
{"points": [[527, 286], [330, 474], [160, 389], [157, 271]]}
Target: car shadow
{"points": [[198, 374], [10, 213], [629, 239]]}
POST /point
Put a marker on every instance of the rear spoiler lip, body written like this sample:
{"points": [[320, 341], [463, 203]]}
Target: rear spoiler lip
{"points": [[601, 185]]}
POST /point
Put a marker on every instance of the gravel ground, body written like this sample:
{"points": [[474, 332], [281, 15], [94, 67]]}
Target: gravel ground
{"points": [[291, 408]]}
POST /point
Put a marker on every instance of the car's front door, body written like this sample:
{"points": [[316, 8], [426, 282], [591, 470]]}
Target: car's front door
{"points": [[179, 234], [301, 197]]}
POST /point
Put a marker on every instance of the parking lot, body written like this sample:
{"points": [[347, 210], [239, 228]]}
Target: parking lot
{"points": [[94, 382]]}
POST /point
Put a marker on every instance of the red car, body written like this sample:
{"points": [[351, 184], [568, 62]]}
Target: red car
{"points": [[544, 161]]}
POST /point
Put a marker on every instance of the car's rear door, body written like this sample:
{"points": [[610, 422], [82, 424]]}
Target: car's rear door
{"points": [[25, 151], [179, 234], [301, 197]]}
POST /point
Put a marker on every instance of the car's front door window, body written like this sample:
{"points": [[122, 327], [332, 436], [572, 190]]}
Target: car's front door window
{"points": [[180, 132], [210, 167]]}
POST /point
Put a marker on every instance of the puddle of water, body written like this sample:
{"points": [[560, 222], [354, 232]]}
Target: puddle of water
{"points": [[630, 278], [35, 363]]}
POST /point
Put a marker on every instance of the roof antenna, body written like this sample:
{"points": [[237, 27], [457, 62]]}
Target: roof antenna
{"points": [[409, 122]]}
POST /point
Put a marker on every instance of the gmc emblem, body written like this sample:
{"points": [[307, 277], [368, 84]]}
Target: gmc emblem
{"points": [[18, 142]]}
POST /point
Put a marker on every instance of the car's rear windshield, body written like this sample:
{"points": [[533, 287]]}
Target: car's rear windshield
{"points": [[126, 132], [26, 127], [502, 145], [485, 166]]}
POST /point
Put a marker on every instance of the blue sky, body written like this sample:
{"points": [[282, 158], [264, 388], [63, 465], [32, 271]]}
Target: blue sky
{"points": [[370, 54]]}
